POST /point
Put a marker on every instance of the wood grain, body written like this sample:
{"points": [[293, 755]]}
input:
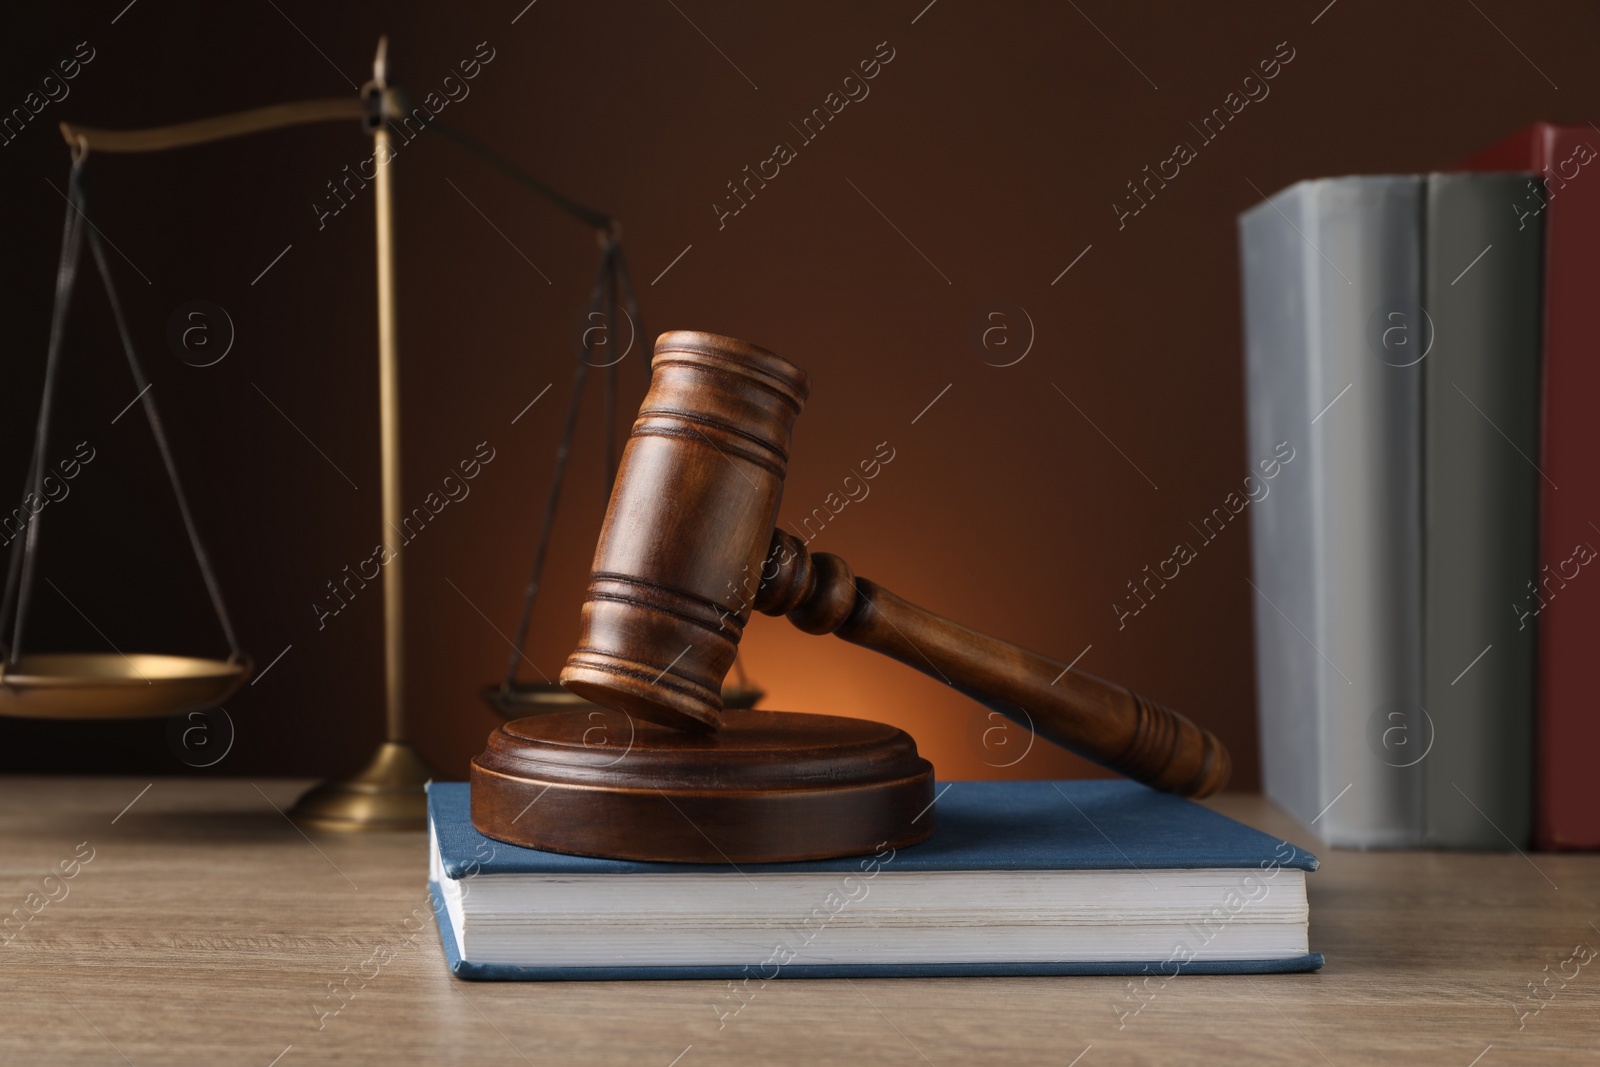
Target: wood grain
{"points": [[686, 530], [776, 786], [206, 928], [1100, 720]]}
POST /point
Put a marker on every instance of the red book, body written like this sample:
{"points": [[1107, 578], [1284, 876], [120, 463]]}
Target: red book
{"points": [[1566, 605]]}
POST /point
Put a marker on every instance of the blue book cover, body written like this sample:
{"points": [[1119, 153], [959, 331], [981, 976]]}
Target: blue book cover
{"points": [[1110, 825]]}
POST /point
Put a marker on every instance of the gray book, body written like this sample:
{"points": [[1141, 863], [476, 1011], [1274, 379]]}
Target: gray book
{"points": [[1374, 560], [1480, 500], [1336, 544]]}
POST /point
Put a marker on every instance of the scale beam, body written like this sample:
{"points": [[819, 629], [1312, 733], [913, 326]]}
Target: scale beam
{"points": [[217, 128]]}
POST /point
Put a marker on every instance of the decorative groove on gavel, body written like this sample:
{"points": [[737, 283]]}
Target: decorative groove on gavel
{"points": [[688, 549]]}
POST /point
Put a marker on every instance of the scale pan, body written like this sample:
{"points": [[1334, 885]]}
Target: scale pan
{"points": [[536, 698], [95, 685]]}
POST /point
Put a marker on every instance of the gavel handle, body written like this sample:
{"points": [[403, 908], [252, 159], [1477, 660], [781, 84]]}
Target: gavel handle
{"points": [[1095, 718]]}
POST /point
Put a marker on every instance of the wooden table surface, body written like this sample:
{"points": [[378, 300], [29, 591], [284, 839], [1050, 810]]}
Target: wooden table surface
{"points": [[206, 929]]}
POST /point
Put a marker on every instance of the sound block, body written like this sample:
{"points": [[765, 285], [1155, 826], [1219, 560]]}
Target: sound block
{"points": [[768, 787]]}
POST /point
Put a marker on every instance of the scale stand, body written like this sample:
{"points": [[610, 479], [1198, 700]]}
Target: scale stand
{"points": [[389, 792]]}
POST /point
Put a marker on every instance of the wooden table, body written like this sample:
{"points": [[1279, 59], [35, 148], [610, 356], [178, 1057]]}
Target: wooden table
{"points": [[206, 929]]}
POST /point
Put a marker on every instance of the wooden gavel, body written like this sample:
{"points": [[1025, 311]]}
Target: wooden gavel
{"points": [[688, 549]]}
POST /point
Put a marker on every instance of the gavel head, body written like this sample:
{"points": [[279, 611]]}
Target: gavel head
{"points": [[687, 531]]}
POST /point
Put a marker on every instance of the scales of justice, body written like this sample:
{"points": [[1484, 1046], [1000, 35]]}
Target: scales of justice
{"points": [[644, 751]]}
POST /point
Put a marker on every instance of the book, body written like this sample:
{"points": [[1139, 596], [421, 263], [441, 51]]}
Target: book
{"points": [[1019, 878], [1336, 546], [1480, 507], [1564, 606], [1392, 327]]}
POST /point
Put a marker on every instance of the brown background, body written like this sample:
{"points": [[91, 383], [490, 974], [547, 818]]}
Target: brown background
{"points": [[996, 141]]}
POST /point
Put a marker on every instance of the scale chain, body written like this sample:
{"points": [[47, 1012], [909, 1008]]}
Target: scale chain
{"points": [[19, 580]]}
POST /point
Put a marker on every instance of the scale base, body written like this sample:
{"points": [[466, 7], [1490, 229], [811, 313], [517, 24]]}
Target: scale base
{"points": [[768, 787], [386, 794]]}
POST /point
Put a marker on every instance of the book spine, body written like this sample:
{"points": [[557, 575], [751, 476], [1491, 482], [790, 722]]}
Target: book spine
{"points": [[1277, 289], [1568, 728], [1566, 607], [1480, 505], [1337, 545]]}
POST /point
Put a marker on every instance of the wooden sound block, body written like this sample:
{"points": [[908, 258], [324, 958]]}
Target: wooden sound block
{"points": [[769, 787]]}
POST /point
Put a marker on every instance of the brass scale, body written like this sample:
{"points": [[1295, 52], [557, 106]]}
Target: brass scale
{"points": [[387, 793]]}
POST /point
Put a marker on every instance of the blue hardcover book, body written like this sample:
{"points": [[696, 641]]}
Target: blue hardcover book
{"points": [[1019, 878]]}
